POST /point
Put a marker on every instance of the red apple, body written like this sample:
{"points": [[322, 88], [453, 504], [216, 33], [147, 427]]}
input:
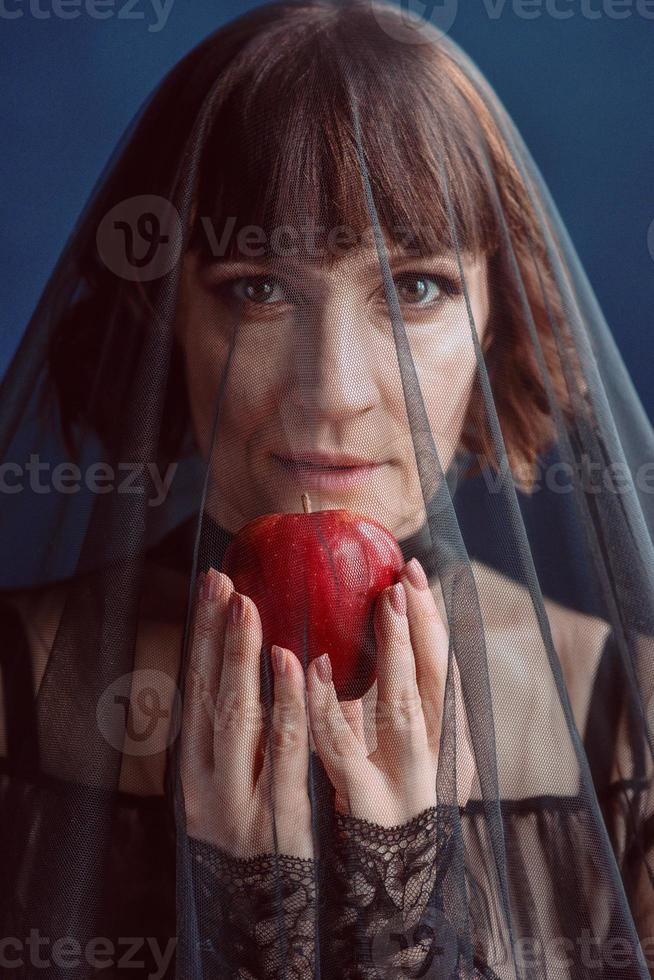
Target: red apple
{"points": [[314, 577]]}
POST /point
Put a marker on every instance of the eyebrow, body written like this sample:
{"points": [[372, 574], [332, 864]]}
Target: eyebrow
{"points": [[366, 261]]}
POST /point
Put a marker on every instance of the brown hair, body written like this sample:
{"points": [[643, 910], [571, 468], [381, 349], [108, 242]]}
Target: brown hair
{"points": [[282, 145]]}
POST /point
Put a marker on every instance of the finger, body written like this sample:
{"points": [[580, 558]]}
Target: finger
{"points": [[290, 738], [238, 716], [203, 671], [339, 749], [399, 711], [289, 751], [429, 640], [353, 714]]}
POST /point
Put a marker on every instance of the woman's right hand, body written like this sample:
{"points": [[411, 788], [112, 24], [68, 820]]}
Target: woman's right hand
{"points": [[237, 782], [397, 780]]}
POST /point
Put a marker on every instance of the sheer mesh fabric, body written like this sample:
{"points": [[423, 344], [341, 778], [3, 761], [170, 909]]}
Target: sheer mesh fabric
{"points": [[322, 234]]}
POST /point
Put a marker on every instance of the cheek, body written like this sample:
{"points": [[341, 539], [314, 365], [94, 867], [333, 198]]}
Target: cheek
{"points": [[446, 365], [445, 360], [205, 366], [248, 390]]}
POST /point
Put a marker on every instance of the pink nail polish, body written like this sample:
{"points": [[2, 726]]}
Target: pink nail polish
{"points": [[397, 599], [237, 608], [416, 574], [279, 662], [324, 669], [205, 587]]}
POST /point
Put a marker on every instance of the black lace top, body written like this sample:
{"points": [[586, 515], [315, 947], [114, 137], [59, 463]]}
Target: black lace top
{"points": [[376, 893], [258, 916], [378, 889], [255, 918]]}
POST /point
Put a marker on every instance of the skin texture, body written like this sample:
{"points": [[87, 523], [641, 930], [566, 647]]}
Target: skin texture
{"points": [[380, 754], [234, 777], [318, 370]]}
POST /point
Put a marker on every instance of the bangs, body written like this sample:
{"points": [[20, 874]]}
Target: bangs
{"points": [[283, 169]]}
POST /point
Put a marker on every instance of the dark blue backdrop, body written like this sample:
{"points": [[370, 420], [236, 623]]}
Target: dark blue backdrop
{"points": [[580, 88]]}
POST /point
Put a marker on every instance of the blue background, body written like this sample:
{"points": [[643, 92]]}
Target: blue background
{"points": [[580, 90]]}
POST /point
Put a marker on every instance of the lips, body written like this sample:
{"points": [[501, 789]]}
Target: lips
{"points": [[327, 473], [327, 461]]}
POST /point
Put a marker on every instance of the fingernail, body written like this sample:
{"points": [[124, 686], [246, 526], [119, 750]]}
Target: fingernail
{"points": [[324, 668], [237, 608], [416, 574], [206, 589], [397, 599], [213, 585], [278, 657]]}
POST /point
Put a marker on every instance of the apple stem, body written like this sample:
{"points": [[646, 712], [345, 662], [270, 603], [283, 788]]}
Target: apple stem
{"points": [[306, 503]]}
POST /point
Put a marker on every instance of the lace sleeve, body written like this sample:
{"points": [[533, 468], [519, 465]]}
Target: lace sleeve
{"points": [[387, 919], [255, 916]]}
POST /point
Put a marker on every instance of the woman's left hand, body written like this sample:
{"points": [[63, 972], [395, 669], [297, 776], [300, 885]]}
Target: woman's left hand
{"points": [[397, 781], [245, 787]]}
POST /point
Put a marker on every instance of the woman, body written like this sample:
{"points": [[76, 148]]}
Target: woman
{"points": [[324, 262]]}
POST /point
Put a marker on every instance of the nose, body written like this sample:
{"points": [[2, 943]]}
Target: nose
{"points": [[334, 376]]}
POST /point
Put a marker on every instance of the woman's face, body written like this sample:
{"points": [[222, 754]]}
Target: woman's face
{"points": [[314, 368]]}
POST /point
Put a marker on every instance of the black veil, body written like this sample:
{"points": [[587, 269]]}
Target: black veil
{"points": [[178, 803]]}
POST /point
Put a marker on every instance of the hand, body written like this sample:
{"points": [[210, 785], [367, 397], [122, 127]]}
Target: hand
{"points": [[397, 780], [236, 782]]}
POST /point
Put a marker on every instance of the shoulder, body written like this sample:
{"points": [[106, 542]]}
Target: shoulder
{"points": [[39, 612], [529, 715], [578, 637], [155, 664], [28, 620], [507, 609]]}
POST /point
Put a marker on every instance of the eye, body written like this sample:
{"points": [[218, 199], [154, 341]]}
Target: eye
{"points": [[262, 290], [421, 289]]}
